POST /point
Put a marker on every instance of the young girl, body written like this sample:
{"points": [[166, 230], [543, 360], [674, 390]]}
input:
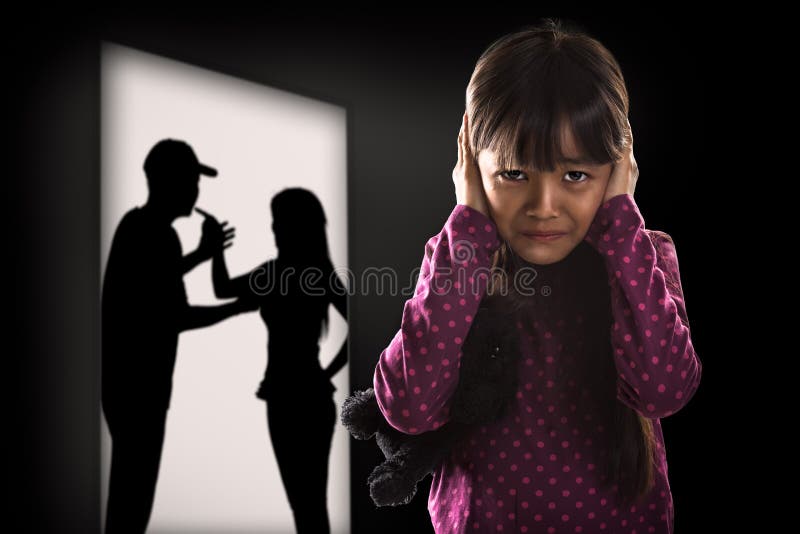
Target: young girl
{"points": [[544, 184]]}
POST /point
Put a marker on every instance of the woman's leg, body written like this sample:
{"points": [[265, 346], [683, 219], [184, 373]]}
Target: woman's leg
{"points": [[301, 438]]}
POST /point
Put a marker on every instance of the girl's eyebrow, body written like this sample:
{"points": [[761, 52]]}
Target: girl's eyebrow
{"points": [[579, 160]]}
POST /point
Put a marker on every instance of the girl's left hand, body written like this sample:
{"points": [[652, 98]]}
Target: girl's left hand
{"points": [[624, 174]]}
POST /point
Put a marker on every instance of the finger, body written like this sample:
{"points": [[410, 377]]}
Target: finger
{"points": [[227, 246], [223, 223], [467, 151], [630, 129], [202, 212]]}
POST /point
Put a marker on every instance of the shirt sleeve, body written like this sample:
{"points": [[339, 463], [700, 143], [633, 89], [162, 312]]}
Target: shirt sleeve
{"points": [[658, 368], [417, 374]]}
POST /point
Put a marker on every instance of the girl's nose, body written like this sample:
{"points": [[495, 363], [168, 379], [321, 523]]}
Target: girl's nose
{"points": [[542, 199]]}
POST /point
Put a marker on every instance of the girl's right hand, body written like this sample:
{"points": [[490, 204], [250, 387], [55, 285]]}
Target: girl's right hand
{"points": [[467, 174]]}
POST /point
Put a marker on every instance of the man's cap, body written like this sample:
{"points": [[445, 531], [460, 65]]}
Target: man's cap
{"points": [[174, 156]]}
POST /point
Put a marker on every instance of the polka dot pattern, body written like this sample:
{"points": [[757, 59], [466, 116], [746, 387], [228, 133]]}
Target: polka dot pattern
{"points": [[650, 334], [533, 470]]}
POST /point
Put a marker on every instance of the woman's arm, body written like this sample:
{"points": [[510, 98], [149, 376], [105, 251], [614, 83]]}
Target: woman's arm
{"points": [[339, 300], [417, 374], [658, 368], [219, 274], [224, 286]]}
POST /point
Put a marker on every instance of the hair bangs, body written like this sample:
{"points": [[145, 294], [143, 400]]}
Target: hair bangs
{"points": [[537, 136]]}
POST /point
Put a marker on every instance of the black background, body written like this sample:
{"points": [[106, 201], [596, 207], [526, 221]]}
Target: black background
{"points": [[402, 78]]}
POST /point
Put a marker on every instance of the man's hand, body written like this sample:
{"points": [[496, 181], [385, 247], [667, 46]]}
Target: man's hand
{"points": [[216, 236]]}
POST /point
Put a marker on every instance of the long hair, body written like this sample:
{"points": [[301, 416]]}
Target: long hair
{"points": [[526, 87], [299, 225]]}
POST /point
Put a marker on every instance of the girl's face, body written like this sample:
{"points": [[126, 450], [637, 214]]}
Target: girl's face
{"points": [[523, 201]]}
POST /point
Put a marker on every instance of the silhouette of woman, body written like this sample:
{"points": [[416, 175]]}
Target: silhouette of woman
{"points": [[294, 292]]}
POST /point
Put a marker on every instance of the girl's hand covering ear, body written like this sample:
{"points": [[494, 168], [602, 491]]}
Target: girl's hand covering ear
{"points": [[624, 174], [467, 174]]}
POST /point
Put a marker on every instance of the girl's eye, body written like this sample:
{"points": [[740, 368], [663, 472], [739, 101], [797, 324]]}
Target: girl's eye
{"points": [[512, 175], [518, 176], [577, 181]]}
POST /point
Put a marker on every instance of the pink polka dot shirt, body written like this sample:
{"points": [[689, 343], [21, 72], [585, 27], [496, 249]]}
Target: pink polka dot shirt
{"points": [[528, 471]]}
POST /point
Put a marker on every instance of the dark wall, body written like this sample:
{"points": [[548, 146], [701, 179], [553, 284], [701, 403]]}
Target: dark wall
{"points": [[403, 81]]}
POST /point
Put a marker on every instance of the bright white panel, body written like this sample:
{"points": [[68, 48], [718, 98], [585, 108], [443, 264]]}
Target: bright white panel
{"points": [[218, 470]]}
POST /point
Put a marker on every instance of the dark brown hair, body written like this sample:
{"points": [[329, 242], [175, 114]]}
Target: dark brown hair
{"points": [[526, 88]]}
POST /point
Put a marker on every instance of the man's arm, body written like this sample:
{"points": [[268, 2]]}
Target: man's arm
{"points": [[202, 316], [192, 260]]}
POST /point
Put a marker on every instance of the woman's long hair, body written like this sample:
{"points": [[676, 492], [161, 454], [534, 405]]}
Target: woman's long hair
{"points": [[299, 225], [527, 86]]}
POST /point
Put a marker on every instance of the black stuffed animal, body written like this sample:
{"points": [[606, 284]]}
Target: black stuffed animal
{"points": [[487, 381]]}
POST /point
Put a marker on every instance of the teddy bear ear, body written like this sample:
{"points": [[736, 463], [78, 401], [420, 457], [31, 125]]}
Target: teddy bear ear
{"points": [[361, 414]]}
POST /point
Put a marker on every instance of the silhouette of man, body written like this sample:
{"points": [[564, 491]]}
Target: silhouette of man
{"points": [[144, 308]]}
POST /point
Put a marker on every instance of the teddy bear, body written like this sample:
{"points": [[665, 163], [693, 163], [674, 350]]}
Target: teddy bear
{"points": [[487, 382]]}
